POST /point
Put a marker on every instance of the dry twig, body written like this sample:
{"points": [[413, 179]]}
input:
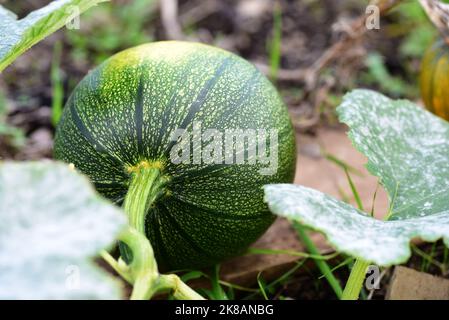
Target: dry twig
{"points": [[169, 16], [355, 31]]}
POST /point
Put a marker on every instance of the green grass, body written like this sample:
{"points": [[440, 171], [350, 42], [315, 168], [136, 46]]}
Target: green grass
{"points": [[342, 164], [14, 136], [267, 288], [377, 74], [291, 253], [56, 83], [109, 28], [429, 259], [216, 292], [446, 257], [320, 263], [275, 41], [262, 285]]}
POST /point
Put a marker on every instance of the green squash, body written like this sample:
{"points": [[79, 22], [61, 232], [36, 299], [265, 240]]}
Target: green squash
{"points": [[122, 116], [434, 79]]}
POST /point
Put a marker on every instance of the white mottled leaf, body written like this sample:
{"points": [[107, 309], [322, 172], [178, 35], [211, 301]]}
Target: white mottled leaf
{"points": [[408, 149], [350, 230], [17, 36], [52, 226]]}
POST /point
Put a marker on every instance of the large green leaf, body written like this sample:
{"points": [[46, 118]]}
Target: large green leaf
{"points": [[408, 149], [17, 36], [52, 225]]}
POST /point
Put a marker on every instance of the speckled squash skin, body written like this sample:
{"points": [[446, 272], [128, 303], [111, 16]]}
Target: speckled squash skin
{"points": [[434, 79], [124, 111]]}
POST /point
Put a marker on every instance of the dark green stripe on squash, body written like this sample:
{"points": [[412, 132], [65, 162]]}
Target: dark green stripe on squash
{"points": [[124, 111]]}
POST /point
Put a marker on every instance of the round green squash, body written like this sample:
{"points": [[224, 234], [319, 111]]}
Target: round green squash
{"points": [[434, 79], [122, 116]]}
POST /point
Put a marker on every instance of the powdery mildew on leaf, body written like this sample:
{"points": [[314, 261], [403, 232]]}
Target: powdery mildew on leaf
{"points": [[350, 230], [52, 225], [408, 149]]}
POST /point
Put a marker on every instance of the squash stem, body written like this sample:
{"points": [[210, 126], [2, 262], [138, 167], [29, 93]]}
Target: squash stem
{"points": [[146, 186], [143, 273], [143, 267], [355, 281]]}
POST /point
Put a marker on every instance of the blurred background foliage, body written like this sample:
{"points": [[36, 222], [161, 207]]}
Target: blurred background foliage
{"points": [[280, 36]]}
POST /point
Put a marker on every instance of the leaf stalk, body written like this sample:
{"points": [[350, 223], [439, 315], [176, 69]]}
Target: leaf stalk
{"points": [[355, 281]]}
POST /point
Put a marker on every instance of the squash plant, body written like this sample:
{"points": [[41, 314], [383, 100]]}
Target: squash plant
{"points": [[434, 76], [60, 200], [118, 128], [115, 130], [62, 203], [434, 79], [53, 249], [408, 150]]}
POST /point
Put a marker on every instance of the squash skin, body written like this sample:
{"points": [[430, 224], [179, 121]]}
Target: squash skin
{"points": [[434, 79], [209, 212]]}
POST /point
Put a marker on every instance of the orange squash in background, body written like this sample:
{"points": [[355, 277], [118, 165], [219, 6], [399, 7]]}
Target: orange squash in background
{"points": [[434, 79]]}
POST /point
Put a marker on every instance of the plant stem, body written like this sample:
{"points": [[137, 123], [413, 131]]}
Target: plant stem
{"points": [[321, 264], [143, 267], [146, 186], [142, 273], [114, 264], [180, 290], [355, 281]]}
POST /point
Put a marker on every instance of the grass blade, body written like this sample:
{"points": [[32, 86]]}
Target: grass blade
{"points": [[321, 264]]}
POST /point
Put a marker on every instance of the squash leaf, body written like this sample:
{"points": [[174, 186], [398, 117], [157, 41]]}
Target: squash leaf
{"points": [[408, 149], [17, 36], [52, 226]]}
